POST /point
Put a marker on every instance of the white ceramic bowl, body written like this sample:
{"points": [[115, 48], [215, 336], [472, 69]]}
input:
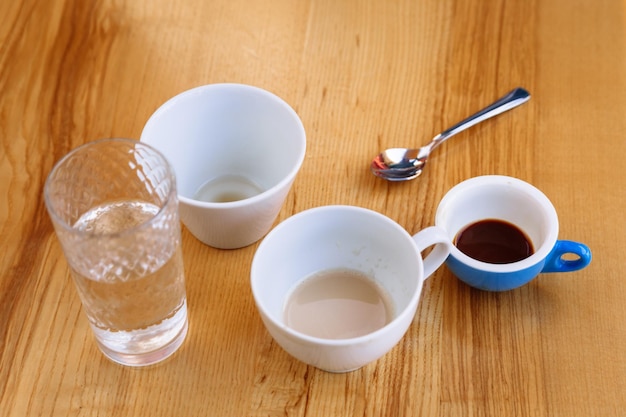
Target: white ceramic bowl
{"points": [[221, 131]]}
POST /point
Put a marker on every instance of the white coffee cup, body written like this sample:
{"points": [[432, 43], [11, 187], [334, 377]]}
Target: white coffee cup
{"points": [[236, 150], [331, 237]]}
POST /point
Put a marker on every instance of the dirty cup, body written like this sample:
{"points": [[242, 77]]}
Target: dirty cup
{"points": [[114, 209], [381, 273], [490, 219], [236, 150]]}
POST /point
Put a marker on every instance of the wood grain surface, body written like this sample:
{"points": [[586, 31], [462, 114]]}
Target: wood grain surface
{"points": [[363, 76]]}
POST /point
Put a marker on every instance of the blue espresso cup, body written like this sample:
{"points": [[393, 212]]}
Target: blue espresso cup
{"points": [[496, 197]]}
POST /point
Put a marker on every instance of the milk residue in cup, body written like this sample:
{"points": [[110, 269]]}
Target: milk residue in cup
{"points": [[226, 189], [338, 304]]}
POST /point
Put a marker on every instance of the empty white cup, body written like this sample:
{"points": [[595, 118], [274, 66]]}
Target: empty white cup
{"points": [[236, 150]]}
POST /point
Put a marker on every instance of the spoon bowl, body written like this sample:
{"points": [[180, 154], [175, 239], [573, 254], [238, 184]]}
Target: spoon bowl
{"points": [[403, 164]]}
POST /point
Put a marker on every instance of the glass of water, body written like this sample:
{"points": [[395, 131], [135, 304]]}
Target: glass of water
{"points": [[114, 207]]}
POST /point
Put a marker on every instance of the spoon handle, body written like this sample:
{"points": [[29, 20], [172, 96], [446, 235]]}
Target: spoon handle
{"points": [[513, 99]]}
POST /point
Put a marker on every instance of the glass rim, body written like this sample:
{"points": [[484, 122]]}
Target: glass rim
{"points": [[56, 218]]}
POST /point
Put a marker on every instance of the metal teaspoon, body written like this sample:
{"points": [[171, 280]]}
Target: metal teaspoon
{"points": [[402, 164]]}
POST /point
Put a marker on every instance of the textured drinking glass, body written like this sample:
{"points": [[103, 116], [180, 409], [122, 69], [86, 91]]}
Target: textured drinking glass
{"points": [[114, 207]]}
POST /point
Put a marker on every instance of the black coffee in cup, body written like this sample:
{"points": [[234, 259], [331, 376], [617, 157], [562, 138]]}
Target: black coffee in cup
{"points": [[494, 241]]}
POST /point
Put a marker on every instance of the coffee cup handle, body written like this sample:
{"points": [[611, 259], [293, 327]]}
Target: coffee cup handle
{"points": [[433, 235], [556, 263]]}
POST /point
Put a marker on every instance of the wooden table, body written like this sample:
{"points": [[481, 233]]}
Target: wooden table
{"points": [[363, 76]]}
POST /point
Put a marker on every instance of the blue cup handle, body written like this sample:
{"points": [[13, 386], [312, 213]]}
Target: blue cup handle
{"points": [[556, 263]]}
